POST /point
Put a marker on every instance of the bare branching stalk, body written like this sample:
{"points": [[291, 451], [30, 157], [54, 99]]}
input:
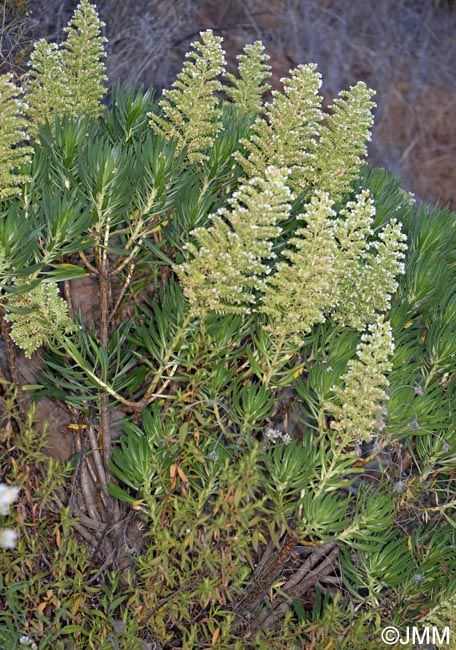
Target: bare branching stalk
{"points": [[267, 570], [104, 336], [312, 571]]}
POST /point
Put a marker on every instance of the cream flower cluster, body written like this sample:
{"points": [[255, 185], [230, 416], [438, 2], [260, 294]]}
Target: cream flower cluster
{"points": [[246, 90], [191, 113], [343, 140], [286, 136], [45, 316], [359, 404], [234, 254], [13, 156], [68, 78]]}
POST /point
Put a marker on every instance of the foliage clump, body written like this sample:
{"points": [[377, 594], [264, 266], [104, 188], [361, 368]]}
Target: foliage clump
{"points": [[281, 362]]}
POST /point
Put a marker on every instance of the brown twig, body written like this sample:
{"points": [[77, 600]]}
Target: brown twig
{"points": [[122, 291], [82, 530], [100, 469], [87, 264], [12, 362], [88, 522], [87, 490], [68, 298]]}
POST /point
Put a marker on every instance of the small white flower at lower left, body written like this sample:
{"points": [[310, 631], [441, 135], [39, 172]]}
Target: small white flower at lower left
{"points": [[26, 640], [8, 495], [8, 538]]}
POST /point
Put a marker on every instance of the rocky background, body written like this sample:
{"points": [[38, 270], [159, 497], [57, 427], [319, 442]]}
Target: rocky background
{"points": [[405, 49]]}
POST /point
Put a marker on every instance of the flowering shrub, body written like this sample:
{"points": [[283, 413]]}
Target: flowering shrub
{"points": [[275, 328]]}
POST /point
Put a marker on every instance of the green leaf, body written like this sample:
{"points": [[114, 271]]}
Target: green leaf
{"points": [[63, 272], [71, 629], [119, 493]]}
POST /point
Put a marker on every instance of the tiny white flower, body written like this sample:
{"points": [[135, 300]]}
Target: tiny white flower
{"points": [[8, 538], [275, 434], [8, 495], [26, 640]]}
